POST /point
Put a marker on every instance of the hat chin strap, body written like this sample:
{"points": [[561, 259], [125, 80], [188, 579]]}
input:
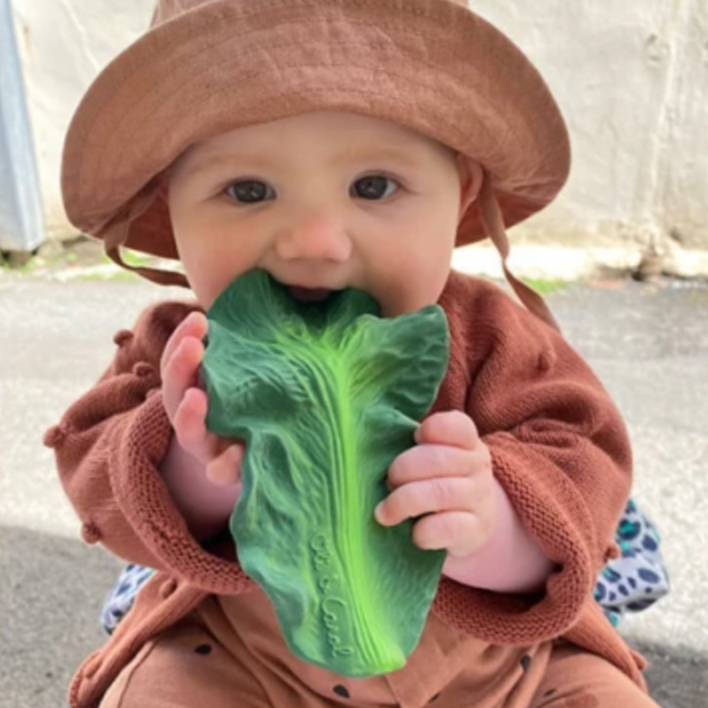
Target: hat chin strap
{"points": [[161, 277], [491, 218], [115, 234]]}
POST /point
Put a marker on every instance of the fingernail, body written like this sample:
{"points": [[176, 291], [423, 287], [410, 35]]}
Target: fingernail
{"points": [[378, 512], [193, 317]]}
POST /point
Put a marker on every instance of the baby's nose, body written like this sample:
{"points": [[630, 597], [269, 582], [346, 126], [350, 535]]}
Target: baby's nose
{"points": [[321, 238]]}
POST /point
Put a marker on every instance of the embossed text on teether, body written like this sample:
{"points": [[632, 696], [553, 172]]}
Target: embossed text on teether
{"points": [[333, 608]]}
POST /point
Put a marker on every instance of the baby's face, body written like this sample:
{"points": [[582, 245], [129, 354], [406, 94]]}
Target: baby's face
{"points": [[322, 201]]}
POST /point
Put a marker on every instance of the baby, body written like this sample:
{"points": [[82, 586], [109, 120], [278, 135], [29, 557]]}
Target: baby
{"points": [[342, 144]]}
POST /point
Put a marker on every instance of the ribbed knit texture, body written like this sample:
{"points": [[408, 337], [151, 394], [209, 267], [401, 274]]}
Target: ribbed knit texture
{"points": [[558, 445]]}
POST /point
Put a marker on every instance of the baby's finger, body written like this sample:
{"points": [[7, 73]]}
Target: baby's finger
{"points": [[431, 495], [225, 469], [458, 532], [426, 461], [194, 325], [189, 424], [181, 373], [448, 428]]}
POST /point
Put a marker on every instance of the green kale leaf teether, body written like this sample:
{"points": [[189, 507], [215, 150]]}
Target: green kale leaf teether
{"points": [[326, 395]]}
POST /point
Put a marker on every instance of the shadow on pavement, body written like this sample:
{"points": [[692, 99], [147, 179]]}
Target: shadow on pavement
{"points": [[677, 676], [51, 590]]}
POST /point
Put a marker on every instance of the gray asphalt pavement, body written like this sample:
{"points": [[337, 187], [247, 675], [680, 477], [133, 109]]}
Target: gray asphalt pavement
{"points": [[648, 344]]}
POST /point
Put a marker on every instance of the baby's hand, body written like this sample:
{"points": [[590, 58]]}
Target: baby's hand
{"points": [[186, 403], [447, 479]]}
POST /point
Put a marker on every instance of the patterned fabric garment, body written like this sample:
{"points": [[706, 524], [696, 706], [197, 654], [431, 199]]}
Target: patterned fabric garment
{"points": [[121, 597], [638, 578], [630, 583]]}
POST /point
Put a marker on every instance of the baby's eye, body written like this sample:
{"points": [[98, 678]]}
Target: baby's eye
{"points": [[374, 187], [249, 191]]}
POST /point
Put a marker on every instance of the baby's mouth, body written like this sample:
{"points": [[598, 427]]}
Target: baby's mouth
{"points": [[309, 294]]}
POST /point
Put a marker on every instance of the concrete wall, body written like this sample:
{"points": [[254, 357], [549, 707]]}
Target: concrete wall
{"points": [[632, 80], [631, 77], [63, 45]]}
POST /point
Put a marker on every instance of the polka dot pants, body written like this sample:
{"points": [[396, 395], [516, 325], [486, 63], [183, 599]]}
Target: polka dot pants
{"points": [[204, 662]]}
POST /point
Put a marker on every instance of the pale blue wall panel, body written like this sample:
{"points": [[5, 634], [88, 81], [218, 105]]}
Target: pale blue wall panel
{"points": [[21, 220]]}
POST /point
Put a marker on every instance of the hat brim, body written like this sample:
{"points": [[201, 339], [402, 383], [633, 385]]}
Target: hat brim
{"points": [[430, 65]]}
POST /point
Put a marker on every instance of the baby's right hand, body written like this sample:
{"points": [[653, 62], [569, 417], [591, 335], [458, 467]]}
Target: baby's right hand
{"points": [[186, 403]]}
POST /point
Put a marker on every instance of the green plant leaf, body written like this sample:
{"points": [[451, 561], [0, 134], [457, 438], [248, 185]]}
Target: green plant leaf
{"points": [[326, 395]]}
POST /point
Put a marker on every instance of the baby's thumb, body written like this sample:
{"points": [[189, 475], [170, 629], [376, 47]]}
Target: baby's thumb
{"points": [[225, 469]]}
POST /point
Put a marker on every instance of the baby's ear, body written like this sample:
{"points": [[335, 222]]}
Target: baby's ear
{"points": [[471, 177]]}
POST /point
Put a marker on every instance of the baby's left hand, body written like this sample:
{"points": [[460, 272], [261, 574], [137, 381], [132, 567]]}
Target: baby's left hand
{"points": [[447, 479]]}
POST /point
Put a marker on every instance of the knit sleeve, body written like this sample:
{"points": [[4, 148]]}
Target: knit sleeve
{"points": [[108, 447], [560, 450]]}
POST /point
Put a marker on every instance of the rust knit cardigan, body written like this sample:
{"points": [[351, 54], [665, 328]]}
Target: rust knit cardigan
{"points": [[558, 445]]}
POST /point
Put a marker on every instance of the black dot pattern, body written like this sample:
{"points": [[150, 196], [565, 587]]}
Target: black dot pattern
{"points": [[203, 649], [341, 690]]}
